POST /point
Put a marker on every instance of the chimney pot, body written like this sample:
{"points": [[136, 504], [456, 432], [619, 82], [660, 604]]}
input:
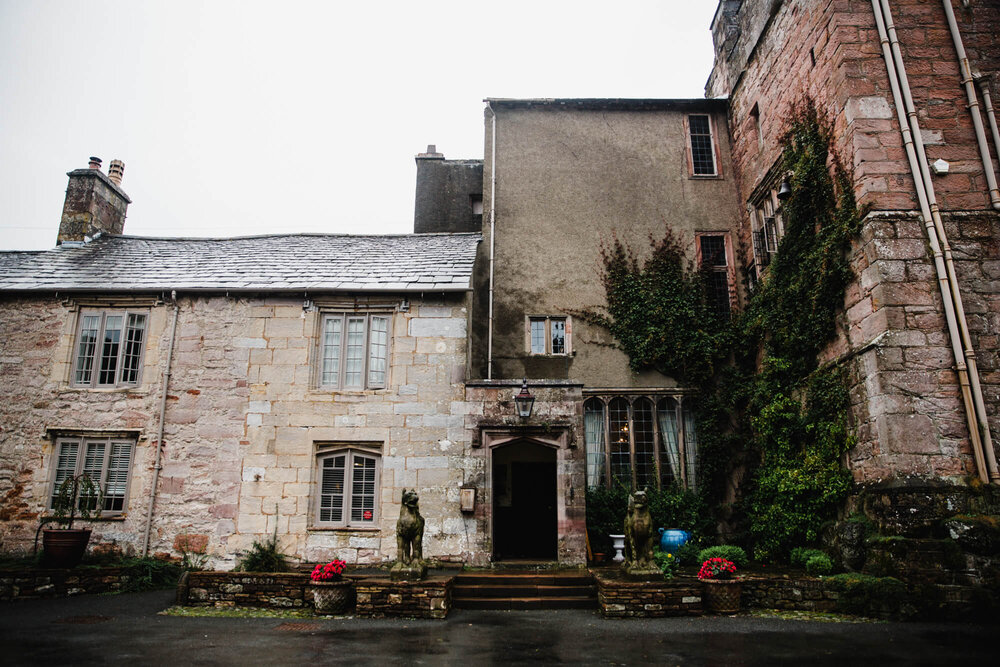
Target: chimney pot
{"points": [[116, 170], [95, 162]]}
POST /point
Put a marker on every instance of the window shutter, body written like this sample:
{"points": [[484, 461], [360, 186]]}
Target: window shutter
{"points": [[116, 481], [331, 505], [362, 489], [66, 464]]}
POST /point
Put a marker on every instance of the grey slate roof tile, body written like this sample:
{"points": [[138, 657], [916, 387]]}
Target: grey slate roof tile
{"points": [[314, 262]]}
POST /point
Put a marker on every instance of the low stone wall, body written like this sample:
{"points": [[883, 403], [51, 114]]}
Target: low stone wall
{"points": [[56, 583], [379, 598], [244, 589], [791, 594], [619, 597]]}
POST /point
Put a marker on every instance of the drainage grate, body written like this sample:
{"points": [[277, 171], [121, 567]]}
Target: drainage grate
{"points": [[85, 620], [298, 627]]}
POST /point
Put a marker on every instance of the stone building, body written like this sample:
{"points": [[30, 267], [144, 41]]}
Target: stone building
{"points": [[229, 389], [908, 87]]}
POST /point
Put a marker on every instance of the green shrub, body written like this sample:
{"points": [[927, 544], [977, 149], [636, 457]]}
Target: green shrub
{"points": [[801, 555], [149, 574], [668, 563], [263, 556], [728, 551], [819, 564], [869, 596], [688, 553]]}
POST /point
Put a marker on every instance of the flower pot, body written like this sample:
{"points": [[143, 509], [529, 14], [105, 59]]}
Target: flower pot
{"points": [[64, 548], [672, 539], [721, 596], [332, 597]]}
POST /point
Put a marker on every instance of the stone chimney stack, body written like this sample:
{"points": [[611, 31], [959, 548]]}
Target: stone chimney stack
{"points": [[95, 202]]}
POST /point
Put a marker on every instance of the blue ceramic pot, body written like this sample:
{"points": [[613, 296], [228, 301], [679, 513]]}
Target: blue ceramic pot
{"points": [[671, 540]]}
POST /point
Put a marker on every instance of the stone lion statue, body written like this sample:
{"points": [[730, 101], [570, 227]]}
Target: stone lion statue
{"points": [[410, 529], [639, 533]]}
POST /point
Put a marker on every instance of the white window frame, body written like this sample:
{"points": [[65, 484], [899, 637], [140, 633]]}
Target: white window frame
{"points": [[767, 228], [331, 366], [351, 453], [711, 141], [97, 354], [547, 322], [114, 448]]}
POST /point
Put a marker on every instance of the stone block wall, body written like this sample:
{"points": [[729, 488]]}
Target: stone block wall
{"points": [[57, 583], [790, 594], [242, 423], [619, 598], [381, 598], [244, 589]]}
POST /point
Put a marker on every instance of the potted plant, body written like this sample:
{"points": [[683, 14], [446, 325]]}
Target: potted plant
{"points": [[331, 593], [722, 588], [64, 547]]}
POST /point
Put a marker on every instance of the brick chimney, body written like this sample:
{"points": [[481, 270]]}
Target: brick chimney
{"points": [[95, 202]]}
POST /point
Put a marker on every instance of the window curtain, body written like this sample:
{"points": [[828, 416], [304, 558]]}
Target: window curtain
{"points": [[690, 444], [593, 428], [668, 433]]}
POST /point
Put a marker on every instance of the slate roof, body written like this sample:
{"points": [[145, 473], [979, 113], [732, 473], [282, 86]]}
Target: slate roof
{"points": [[292, 262]]}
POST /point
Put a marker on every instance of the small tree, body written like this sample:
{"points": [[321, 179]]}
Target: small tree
{"points": [[78, 494]]}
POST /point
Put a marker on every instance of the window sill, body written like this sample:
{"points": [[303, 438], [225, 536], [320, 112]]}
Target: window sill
{"points": [[705, 177], [104, 519], [342, 529], [131, 389]]}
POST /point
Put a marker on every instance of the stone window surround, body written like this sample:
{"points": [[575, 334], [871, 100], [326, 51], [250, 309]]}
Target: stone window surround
{"points": [[605, 396], [715, 147], [762, 206], [58, 436], [124, 310], [730, 266], [324, 450], [548, 319], [366, 311]]}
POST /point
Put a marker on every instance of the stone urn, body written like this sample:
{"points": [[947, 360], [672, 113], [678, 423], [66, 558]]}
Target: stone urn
{"points": [[332, 597], [721, 596], [618, 544]]}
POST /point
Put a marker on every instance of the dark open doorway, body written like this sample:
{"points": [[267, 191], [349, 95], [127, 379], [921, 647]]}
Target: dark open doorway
{"points": [[524, 502]]}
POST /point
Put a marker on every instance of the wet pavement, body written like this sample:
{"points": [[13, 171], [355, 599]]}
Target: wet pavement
{"points": [[126, 629]]}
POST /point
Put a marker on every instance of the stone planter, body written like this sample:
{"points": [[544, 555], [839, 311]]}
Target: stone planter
{"points": [[722, 596], [332, 597], [64, 548]]}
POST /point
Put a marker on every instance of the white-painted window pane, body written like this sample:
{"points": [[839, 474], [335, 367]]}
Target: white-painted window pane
{"points": [[355, 361], [93, 466], [538, 336], [86, 349], [331, 499], [593, 435], [379, 346], [558, 336], [110, 345], [331, 350], [670, 460], [134, 335]]}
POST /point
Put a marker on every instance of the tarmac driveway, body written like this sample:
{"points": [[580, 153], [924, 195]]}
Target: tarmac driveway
{"points": [[126, 629]]}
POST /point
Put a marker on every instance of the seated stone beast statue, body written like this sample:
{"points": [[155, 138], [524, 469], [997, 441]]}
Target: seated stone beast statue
{"points": [[410, 529], [639, 535]]}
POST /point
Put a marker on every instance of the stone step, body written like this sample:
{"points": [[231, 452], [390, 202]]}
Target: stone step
{"points": [[565, 602], [525, 578], [515, 591]]}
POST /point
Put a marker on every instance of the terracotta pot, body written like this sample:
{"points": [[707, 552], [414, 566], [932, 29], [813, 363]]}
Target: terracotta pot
{"points": [[721, 596], [64, 548], [332, 597]]}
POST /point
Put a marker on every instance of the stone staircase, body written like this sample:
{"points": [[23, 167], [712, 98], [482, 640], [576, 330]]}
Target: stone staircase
{"points": [[524, 590]]}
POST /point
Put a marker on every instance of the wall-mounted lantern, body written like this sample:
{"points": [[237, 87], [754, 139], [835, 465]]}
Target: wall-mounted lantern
{"points": [[524, 401], [785, 191]]}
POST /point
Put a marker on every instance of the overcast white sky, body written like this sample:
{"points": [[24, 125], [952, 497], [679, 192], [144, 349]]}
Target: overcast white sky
{"points": [[256, 117]]}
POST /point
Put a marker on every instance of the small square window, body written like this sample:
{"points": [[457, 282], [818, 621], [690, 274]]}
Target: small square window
{"points": [[108, 462], [548, 335], [347, 490], [354, 350], [109, 348]]}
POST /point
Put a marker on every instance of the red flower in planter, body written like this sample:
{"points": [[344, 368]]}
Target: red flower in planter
{"points": [[717, 568], [329, 572]]}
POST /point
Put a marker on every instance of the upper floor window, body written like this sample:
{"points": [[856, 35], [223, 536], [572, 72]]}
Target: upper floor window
{"points": [[348, 487], [767, 229], [713, 258], [107, 461], [548, 335], [354, 350], [109, 348], [701, 145]]}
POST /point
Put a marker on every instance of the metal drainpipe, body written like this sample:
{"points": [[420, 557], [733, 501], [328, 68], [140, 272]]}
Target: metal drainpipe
{"points": [[984, 89], [493, 236], [970, 94], [159, 437], [947, 281]]}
